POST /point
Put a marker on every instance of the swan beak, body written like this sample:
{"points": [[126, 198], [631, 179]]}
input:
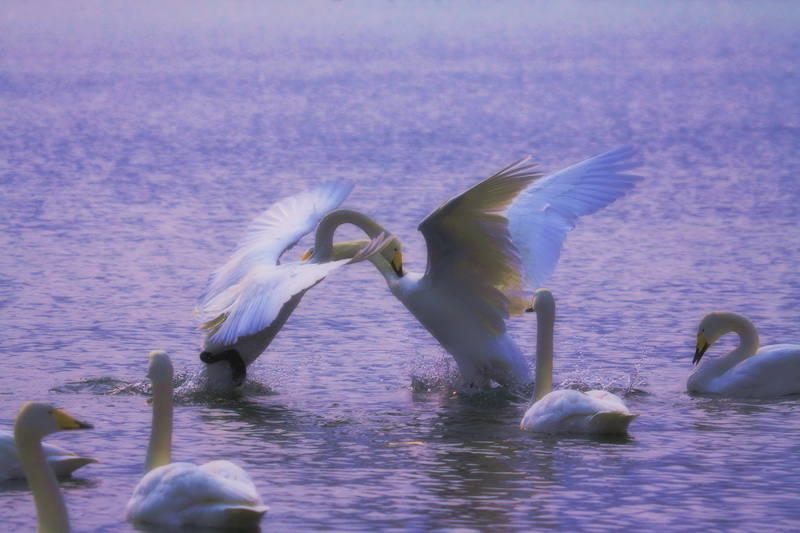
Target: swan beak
{"points": [[702, 346], [306, 256], [65, 421], [397, 264]]}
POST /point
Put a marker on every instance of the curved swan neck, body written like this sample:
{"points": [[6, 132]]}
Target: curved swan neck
{"points": [[748, 334], [50, 507], [545, 325], [159, 450], [323, 241]]}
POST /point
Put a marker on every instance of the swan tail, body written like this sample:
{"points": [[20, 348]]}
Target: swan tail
{"points": [[611, 422], [225, 515], [66, 466]]}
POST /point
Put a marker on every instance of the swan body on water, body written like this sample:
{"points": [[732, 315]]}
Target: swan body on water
{"points": [[216, 494], [62, 461], [35, 421], [476, 256], [566, 411], [747, 371], [247, 301]]}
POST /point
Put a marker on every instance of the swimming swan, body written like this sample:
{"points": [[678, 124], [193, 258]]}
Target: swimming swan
{"points": [[566, 411], [63, 462], [473, 280], [216, 494], [247, 301], [747, 371], [37, 420]]}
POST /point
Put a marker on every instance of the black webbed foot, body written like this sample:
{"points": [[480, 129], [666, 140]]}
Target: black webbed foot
{"points": [[238, 366]]}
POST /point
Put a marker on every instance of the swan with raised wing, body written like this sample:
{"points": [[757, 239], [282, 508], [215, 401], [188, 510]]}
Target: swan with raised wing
{"points": [[476, 256], [247, 301]]}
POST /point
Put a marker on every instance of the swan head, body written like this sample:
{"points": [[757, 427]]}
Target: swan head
{"points": [[392, 253], [711, 328], [542, 302], [39, 419], [160, 369]]}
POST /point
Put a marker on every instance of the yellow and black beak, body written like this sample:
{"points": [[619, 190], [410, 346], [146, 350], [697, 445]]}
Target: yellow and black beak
{"points": [[66, 421], [397, 263], [306, 256], [702, 346]]}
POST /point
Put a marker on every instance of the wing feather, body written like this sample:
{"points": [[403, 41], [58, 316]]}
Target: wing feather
{"points": [[273, 232], [469, 245], [541, 217]]}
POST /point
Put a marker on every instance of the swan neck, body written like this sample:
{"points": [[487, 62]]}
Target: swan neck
{"points": [[50, 507], [159, 449], [748, 334], [323, 241], [545, 325]]}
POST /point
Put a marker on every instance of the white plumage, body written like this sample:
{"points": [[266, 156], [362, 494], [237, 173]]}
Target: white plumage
{"points": [[566, 411], [747, 371], [62, 461], [543, 214], [476, 256], [216, 494], [247, 301]]}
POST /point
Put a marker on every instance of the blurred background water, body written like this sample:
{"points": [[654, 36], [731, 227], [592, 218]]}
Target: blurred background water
{"points": [[139, 139]]}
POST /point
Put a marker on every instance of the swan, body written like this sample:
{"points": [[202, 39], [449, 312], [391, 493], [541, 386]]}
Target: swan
{"points": [[476, 256], [35, 421], [747, 371], [62, 461], [247, 301], [216, 494], [566, 411]]}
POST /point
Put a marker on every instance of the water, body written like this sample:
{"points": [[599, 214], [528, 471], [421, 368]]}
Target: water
{"points": [[139, 140]]}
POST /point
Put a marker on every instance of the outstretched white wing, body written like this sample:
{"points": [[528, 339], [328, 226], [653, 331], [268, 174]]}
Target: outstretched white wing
{"points": [[273, 232], [542, 215], [256, 301], [469, 246]]}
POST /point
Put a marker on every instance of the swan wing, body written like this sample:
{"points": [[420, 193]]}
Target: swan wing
{"points": [[256, 301], [274, 231], [773, 371], [469, 245], [62, 461], [183, 493], [566, 411], [541, 217]]}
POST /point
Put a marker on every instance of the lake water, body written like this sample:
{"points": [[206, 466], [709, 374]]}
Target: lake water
{"points": [[139, 139]]}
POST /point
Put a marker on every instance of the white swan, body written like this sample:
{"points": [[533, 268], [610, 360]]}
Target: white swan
{"points": [[747, 371], [473, 280], [216, 494], [35, 421], [566, 411], [248, 300], [62, 461]]}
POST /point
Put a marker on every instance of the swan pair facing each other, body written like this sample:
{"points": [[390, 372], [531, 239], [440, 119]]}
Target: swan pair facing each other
{"points": [[216, 494], [747, 371], [482, 245]]}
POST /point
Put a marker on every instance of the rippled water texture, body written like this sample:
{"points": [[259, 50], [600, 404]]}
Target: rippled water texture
{"points": [[139, 139]]}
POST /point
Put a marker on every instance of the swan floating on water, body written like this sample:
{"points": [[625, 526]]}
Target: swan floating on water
{"points": [[566, 411], [247, 301], [747, 371], [62, 461], [216, 494], [474, 278], [35, 421]]}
